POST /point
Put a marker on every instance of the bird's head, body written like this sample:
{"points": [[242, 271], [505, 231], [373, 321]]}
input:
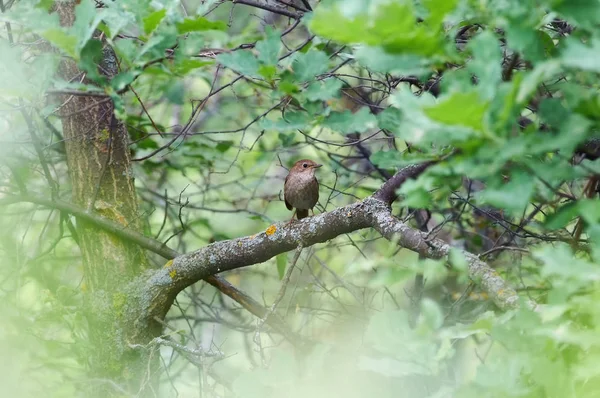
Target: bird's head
{"points": [[305, 166]]}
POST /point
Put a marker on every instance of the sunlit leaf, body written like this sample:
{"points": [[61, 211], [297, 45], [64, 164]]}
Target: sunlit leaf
{"points": [[152, 20], [462, 109], [199, 24]]}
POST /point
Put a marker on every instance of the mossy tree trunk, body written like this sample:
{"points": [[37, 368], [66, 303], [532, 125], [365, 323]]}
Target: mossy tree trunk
{"points": [[102, 181]]}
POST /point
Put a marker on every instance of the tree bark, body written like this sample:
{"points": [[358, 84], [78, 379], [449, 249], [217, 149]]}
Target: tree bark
{"points": [[102, 182]]}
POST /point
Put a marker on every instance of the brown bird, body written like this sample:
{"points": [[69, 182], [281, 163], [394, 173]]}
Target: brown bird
{"points": [[301, 188]]}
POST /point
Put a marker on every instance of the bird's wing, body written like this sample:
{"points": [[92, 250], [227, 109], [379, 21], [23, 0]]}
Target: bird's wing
{"points": [[287, 204], [314, 188]]}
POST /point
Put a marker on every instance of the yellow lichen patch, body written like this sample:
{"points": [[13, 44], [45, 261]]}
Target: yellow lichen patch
{"points": [[120, 218], [271, 230], [102, 205], [172, 273], [104, 134], [168, 263], [109, 211]]}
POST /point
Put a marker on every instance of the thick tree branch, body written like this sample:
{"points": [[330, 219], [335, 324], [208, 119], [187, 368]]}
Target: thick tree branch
{"points": [[372, 212], [479, 272], [280, 238]]}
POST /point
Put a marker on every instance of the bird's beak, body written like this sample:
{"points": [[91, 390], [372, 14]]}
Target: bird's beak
{"points": [[316, 166]]}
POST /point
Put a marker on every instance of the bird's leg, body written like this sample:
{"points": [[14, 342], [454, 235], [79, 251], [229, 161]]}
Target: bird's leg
{"points": [[293, 215], [313, 212]]}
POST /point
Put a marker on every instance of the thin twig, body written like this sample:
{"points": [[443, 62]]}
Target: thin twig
{"points": [[280, 294]]}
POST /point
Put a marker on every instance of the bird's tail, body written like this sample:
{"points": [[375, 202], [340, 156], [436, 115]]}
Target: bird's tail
{"points": [[301, 213]]}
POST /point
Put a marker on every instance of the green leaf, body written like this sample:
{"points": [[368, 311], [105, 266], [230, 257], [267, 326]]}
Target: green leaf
{"points": [[347, 122], [581, 12], [589, 210], [267, 71], [91, 56], [268, 49], [175, 92], [291, 122], [146, 143], [532, 80], [123, 79], [438, 9], [191, 46], [288, 87], [223, 146], [115, 19], [61, 84], [378, 60], [199, 24], [553, 112], [560, 263], [287, 139], [461, 109], [582, 56], [390, 119], [391, 25], [308, 65], [513, 196], [323, 90], [457, 260], [184, 66], [487, 65], [156, 46], [573, 130], [281, 264], [152, 20], [504, 109], [529, 42], [431, 313], [242, 62], [345, 30], [86, 22], [62, 40], [562, 217]]}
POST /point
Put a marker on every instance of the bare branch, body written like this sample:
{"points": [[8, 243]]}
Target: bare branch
{"points": [[267, 7], [387, 193]]}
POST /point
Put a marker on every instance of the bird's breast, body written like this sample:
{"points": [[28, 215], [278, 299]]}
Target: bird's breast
{"points": [[302, 190]]}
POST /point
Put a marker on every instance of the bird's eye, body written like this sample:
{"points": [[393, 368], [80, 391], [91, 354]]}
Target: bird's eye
{"points": [[305, 165]]}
